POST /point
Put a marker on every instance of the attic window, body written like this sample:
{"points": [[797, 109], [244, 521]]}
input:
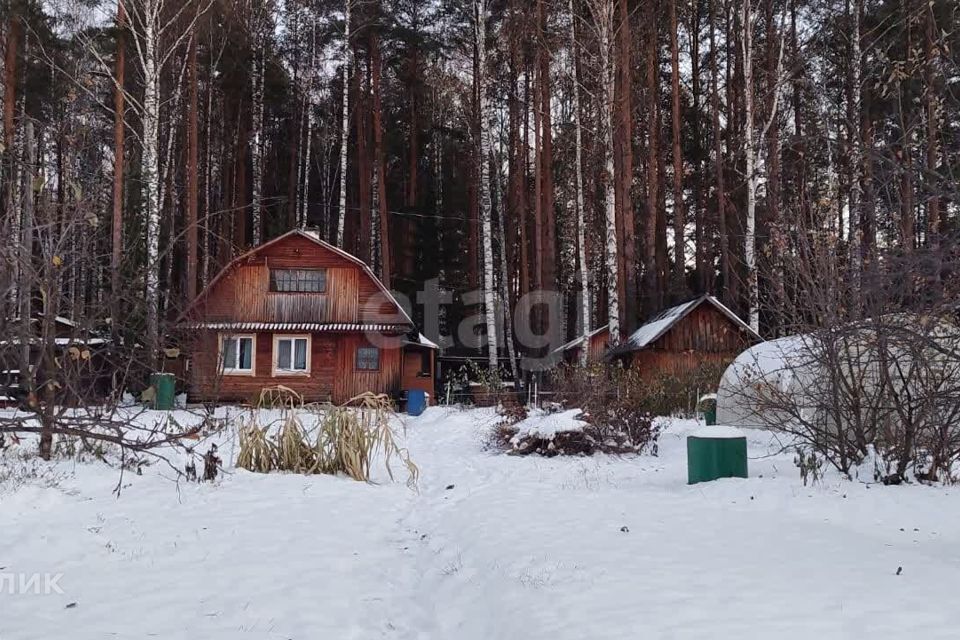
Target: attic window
{"points": [[298, 280]]}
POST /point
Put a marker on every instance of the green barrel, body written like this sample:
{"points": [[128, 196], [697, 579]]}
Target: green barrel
{"points": [[164, 387], [710, 412], [707, 405], [716, 452]]}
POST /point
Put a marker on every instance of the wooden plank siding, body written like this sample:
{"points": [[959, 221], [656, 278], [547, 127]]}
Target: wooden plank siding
{"points": [[703, 337], [413, 365], [242, 293], [332, 377]]}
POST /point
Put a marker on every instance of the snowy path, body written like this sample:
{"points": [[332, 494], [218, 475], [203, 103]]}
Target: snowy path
{"points": [[518, 548]]}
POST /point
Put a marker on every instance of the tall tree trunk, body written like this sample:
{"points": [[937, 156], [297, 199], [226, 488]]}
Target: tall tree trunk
{"points": [[652, 262], [344, 125], [933, 92], [256, 133], [603, 22], [10, 79], [679, 219], [380, 181], [489, 295], [854, 127], [630, 301], [193, 182], [750, 237], [585, 321], [775, 245], [721, 196], [548, 278], [119, 132], [504, 289], [704, 273], [150, 175], [362, 231]]}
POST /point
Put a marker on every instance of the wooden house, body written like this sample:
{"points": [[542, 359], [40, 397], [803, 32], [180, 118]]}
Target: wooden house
{"points": [[299, 312], [683, 338]]}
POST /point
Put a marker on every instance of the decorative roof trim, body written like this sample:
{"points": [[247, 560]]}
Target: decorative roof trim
{"points": [[296, 326]]}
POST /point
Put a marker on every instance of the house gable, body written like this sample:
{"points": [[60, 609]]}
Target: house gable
{"points": [[241, 292]]}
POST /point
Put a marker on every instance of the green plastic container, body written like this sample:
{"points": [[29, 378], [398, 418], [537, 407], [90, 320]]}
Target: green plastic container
{"points": [[716, 452], [164, 386]]}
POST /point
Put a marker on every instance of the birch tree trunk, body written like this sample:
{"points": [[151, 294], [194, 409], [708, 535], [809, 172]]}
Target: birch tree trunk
{"points": [[344, 127], [256, 133], [585, 322], [150, 174], [602, 11], [750, 235], [486, 231]]}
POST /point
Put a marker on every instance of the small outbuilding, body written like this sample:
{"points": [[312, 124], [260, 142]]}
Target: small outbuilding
{"points": [[700, 332]]}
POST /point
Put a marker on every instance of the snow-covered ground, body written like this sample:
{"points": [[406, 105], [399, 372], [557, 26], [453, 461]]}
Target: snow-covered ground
{"points": [[492, 547]]}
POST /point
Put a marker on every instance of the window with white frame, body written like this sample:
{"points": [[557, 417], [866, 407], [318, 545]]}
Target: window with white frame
{"points": [[291, 354], [237, 354], [368, 359]]}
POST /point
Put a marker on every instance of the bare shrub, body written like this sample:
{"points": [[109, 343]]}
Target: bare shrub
{"points": [[872, 376]]}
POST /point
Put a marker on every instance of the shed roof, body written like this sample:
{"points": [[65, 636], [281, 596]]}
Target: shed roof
{"points": [[576, 342]]}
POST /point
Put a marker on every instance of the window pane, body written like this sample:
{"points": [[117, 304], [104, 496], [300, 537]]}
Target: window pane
{"points": [[283, 354], [246, 353], [299, 280], [229, 353], [368, 358], [300, 354]]}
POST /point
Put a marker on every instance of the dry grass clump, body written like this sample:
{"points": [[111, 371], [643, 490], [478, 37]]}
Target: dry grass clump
{"points": [[346, 439]]}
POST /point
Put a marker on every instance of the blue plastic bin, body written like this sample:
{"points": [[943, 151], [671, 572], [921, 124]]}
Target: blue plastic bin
{"points": [[416, 401]]}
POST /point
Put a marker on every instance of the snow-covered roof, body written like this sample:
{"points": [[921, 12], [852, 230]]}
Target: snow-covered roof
{"points": [[662, 322], [576, 342], [422, 341]]}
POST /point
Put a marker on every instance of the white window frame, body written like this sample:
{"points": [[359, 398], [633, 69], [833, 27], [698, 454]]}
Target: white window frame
{"points": [[277, 337], [234, 371]]}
